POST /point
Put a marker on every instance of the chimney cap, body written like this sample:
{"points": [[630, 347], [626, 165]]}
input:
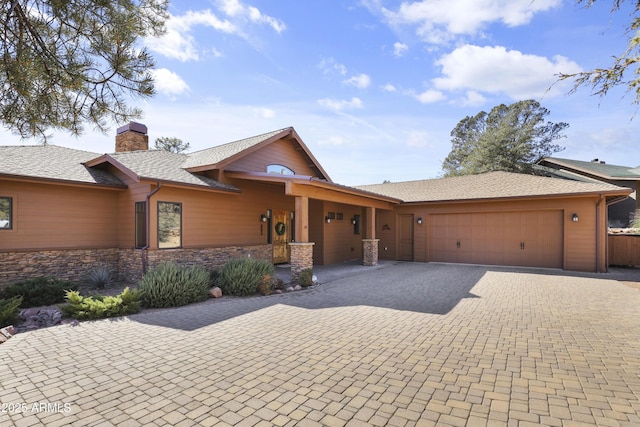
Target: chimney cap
{"points": [[132, 127]]}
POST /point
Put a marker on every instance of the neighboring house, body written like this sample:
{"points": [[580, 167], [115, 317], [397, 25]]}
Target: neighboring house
{"points": [[620, 214], [267, 197]]}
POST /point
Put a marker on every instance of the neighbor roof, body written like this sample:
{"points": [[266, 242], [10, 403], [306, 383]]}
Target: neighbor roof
{"points": [[53, 163], [595, 168], [492, 185]]}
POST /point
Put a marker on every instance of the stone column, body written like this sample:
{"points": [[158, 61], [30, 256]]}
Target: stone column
{"points": [[301, 258], [370, 252]]}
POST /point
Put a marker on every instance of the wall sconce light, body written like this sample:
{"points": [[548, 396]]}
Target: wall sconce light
{"points": [[574, 217], [353, 221], [263, 218], [419, 220], [327, 219]]}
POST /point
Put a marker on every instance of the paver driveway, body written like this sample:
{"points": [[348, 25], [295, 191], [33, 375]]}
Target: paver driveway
{"points": [[409, 344]]}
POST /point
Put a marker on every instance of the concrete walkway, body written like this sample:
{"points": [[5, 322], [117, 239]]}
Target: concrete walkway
{"points": [[405, 344]]}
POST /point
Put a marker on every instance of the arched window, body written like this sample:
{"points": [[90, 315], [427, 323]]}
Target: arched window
{"points": [[279, 170]]}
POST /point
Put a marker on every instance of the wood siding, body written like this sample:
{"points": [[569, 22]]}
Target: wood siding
{"points": [[624, 250], [283, 152], [60, 217], [339, 242]]}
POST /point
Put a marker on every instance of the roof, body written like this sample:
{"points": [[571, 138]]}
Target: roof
{"points": [[55, 163], [596, 168], [491, 185]]}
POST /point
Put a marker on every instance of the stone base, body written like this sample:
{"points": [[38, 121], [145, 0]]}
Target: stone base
{"points": [[370, 252], [301, 258]]}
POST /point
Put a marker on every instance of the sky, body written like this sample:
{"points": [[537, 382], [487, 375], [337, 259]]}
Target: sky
{"points": [[375, 87]]}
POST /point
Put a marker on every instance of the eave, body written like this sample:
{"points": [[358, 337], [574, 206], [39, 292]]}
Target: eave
{"points": [[54, 181], [567, 167]]}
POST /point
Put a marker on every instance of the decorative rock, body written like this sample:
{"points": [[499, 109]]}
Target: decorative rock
{"points": [[277, 291], [297, 288], [11, 329], [3, 338], [5, 332], [289, 289], [39, 318], [215, 292]]}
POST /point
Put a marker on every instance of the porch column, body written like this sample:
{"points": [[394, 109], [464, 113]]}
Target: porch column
{"points": [[370, 243], [301, 249]]}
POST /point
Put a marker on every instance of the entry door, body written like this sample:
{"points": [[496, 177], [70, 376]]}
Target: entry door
{"points": [[406, 238], [281, 232]]}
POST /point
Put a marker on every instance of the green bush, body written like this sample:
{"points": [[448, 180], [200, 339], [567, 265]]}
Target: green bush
{"points": [[172, 285], [305, 278], [100, 278], [9, 310], [266, 284], [39, 292], [101, 307], [242, 276]]}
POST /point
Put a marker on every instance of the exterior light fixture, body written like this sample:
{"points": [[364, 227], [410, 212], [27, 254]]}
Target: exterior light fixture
{"points": [[328, 220], [574, 217], [263, 218], [353, 221], [419, 220]]}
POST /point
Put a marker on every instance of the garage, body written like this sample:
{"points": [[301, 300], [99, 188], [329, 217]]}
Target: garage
{"points": [[528, 238]]}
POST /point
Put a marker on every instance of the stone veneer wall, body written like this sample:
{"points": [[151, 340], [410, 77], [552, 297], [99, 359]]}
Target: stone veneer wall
{"points": [[370, 252], [72, 264], [124, 264], [301, 258]]}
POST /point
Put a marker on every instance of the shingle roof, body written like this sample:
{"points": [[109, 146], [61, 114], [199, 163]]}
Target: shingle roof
{"points": [[597, 168], [164, 166], [490, 185], [215, 155], [53, 162]]}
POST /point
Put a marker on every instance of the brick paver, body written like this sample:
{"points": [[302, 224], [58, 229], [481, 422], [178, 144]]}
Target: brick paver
{"points": [[406, 345]]}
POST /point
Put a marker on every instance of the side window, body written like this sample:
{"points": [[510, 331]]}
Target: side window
{"points": [[6, 213], [169, 225], [279, 170], [141, 224], [356, 224]]}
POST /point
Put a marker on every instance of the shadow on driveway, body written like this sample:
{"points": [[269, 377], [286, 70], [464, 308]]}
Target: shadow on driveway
{"points": [[417, 287]]}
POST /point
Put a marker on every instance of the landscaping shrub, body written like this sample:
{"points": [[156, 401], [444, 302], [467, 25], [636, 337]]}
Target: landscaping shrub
{"points": [[39, 292], [266, 284], [100, 307], [173, 285], [305, 278], [242, 276], [9, 310], [100, 278]]}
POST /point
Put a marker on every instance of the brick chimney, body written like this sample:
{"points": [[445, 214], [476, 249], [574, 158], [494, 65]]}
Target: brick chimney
{"points": [[132, 137]]}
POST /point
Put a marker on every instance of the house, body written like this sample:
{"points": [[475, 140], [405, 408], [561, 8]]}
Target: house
{"points": [[620, 214], [67, 211]]}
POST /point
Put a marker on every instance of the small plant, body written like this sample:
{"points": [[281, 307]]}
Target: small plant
{"points": [[39, 292], [100, 278], [242, 276], [9, 310], [266, 284], [173, 285], [214, 276], [305, 279], [101, 307]]}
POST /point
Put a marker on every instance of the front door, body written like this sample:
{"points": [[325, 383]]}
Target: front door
{"points": [[406, 238], [281, 232]]}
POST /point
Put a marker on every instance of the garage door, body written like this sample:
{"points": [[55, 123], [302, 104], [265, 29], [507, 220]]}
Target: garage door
{"points": [[532, 239]]}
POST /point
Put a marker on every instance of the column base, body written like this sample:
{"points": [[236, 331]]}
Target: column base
{"points": [[301, 258], [370, 252]]}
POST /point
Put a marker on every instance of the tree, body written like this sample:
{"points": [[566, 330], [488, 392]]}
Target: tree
{"points": [[602, 79], [172, 144], [67, 63], [508, 138]]}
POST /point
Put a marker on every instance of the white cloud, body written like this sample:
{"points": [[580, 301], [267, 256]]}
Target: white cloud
{"points": [[389, 88], [168, 82], [429, 96], [361, 81], [439, 21], [329, 66], [339, 105], [333, 140], [497, 70], [418, 139], [267, 113], [237, 9], [473, 99], [399, 49]]}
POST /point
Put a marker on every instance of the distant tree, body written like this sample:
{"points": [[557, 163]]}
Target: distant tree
{"points": [[71, 62], [508, 138], [602, 79], [172, 144]]}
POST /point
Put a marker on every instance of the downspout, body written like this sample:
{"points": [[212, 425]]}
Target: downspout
{"points": [[598, 243], [148, 230]]}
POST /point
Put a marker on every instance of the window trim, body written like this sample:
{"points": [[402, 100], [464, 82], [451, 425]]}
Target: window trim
{"points": [[11, 215], [158, 224], [136, 230]]}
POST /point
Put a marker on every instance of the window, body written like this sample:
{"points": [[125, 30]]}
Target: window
{"points": [[169, 225], [269, 226], [279, 170], [141, 224], [356, 224], [6, 213]]}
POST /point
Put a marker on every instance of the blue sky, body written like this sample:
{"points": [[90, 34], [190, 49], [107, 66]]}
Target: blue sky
{"points": [[374, 87]]}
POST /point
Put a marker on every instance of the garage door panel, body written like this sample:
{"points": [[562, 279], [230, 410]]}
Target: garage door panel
{"points": [[530, 238]]}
